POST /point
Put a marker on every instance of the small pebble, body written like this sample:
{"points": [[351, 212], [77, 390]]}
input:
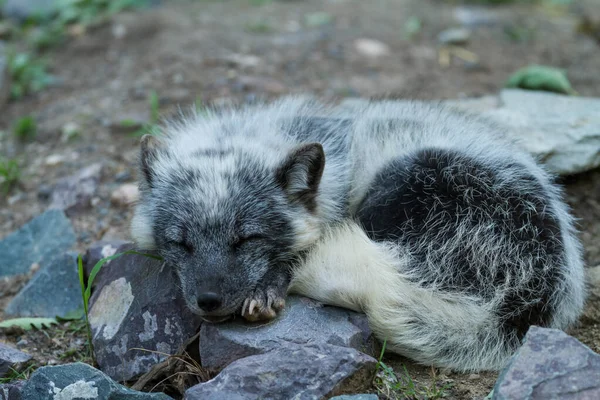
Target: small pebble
{"points": [[371, 48], [456, 36], [123, 176]]}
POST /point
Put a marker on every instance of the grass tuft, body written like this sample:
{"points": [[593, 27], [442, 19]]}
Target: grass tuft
{"points": [[391, 385]]}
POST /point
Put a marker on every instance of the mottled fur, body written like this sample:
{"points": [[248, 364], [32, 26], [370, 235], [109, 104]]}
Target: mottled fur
{"points": [[449, 237]]}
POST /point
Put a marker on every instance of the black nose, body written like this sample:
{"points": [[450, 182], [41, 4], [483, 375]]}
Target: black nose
{"points": [[209, 301]]}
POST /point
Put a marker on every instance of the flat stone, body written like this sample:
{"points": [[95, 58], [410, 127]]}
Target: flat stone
{"points": [[74, 193], [78, 381], [294, 371], [137, 303], [563, 131], [11, 358], [454, 36], [304, 321], [41, 239], [53, 291], [356, 397], [550, 365]]}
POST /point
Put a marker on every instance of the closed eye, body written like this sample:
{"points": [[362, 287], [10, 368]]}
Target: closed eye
{"points": [[241, 240]]}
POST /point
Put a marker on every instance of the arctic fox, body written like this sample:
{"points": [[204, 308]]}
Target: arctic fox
{"points": [[449, 237]]}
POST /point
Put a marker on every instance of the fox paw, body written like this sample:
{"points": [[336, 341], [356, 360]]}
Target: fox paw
{"points": [[263, 305]]}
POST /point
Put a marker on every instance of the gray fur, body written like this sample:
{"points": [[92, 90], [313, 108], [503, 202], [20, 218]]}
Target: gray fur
{"points": [[472, 236]]}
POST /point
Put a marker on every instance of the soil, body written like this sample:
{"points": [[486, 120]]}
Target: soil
{"points": [[220, 52]]}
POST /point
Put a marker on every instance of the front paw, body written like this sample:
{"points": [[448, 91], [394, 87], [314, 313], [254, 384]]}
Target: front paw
{"points": [[263, 304]]}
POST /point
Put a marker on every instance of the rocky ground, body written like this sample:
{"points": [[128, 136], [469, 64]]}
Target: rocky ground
{"points": [[112, 77]]}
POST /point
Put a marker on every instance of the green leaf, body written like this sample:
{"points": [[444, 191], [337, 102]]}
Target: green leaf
{"points": [[29, 323], [539, 77], [74, 315]]}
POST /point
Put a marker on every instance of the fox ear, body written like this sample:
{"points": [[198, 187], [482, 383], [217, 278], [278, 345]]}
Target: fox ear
{"points": [[300, 174], [150, 147]]}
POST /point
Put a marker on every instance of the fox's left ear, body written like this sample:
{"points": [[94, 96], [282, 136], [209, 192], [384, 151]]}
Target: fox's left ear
{"points": [[300, 174]]}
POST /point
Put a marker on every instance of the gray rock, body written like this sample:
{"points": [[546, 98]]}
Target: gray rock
{"points": [[563, 131], [293, 371], [53, 291], [42, 238], [454, 36], [99, 250], [304, 321], [23, 9], [550, 365], [11, 358], [78, 381], [137, 304], [74, 193], [474, 16], [11, 390], [356, 397]]}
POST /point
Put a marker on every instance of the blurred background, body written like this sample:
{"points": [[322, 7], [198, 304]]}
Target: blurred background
{"points": [[82, 80]]}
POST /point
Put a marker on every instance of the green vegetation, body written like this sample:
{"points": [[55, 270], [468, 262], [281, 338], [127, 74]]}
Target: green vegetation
{"points": [[10, 174], [150, 127], [27, 73], [412, 27], [259, 27], [14, 375], [25, 129], [28, 323], [401, 386], [540, 77]]}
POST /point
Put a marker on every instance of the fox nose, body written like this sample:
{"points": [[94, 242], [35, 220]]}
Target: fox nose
{"points": [[209, 301]]}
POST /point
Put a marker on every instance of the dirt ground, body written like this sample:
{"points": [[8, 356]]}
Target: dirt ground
{"points": [[217, 52]]}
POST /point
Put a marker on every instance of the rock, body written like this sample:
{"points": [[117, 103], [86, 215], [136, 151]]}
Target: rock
{"points": [[304, 321], [74, 193], [23, 9], [125, 195], [44, 237], [11, 390], [454, 36], [78, 381], [371, 48], [293, 371], [99, 250], [54, 159], [4, 76], [137, 304], [53, 291], [563, 131], [11, 358], [356, 397], [550, 365], [473, 16], [122, 176]]}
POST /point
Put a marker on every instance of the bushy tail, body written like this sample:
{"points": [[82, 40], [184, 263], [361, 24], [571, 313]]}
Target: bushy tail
{"points": [[448, 330]]}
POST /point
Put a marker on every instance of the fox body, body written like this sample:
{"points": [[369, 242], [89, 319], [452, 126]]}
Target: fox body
{"points": [[449, 237]]}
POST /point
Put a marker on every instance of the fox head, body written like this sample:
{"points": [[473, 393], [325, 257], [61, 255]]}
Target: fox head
{"points": [[223, 215]]}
